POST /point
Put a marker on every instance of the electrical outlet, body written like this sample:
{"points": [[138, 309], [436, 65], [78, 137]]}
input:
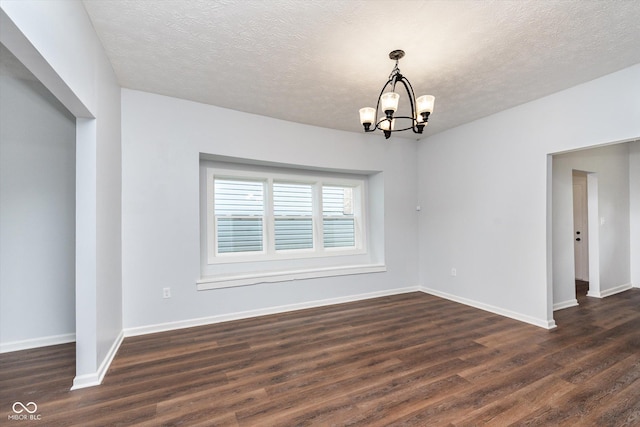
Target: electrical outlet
{"points": [[166, 292], [454, 272]]}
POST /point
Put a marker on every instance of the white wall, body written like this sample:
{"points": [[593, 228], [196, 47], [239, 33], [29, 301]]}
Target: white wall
{"points": [[483, 188], [56, 41], [108, 208], [611, 166], [162, 138], [634, 217], [37, 213]]}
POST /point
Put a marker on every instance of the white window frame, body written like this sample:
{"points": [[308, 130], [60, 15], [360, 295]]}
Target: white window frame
{"points": [[269, 252]]}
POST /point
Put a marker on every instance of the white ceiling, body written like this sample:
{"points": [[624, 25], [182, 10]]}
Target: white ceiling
{"points": [[318, 61]]}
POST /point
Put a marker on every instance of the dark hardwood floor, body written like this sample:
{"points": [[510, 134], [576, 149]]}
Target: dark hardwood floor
{"points": [[582, 288], [405, 360]]}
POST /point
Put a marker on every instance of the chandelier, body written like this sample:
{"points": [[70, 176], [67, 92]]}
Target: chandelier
{"points": [[421, 108]]}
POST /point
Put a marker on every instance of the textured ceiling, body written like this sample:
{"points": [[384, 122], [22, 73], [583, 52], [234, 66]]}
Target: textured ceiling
{"points": [[318, 61]]}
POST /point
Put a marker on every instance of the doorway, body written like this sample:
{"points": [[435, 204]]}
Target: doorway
{"points": [[37, 212], [580, 233], [586, 234]]}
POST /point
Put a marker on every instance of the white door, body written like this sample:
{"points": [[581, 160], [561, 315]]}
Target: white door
{"points": [[580, 227]]}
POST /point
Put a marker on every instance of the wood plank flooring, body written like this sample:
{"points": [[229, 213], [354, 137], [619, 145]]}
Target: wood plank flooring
{"points": [[404, 360]]}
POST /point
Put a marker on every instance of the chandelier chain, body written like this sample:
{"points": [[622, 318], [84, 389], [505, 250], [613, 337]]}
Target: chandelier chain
{"points": [[395, 71]]}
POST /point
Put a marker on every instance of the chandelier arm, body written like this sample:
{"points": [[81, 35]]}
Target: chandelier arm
{"points": [[418, 127], [412, 101]]}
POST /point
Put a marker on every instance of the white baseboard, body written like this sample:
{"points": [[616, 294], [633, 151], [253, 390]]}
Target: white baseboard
{"points": [[36, 342], [616, 290], [93, 379], [169, 326], [547, 324], [590, 293], [565, 304]]}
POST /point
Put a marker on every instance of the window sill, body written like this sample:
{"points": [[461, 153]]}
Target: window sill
{"points": [[242, 257], [218, 282]]}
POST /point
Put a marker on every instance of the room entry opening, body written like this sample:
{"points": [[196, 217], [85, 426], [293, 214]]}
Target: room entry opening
{"points": [[580, 227], [586, 233]]}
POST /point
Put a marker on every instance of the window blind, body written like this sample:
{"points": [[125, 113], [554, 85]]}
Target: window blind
{"points": [[239, 213], [293, 216], [338, 220]]}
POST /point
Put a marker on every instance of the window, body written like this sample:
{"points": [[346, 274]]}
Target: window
{"points": [[262, 222], [239, 214], [337, 217], [293, 216], [254, 216]]}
